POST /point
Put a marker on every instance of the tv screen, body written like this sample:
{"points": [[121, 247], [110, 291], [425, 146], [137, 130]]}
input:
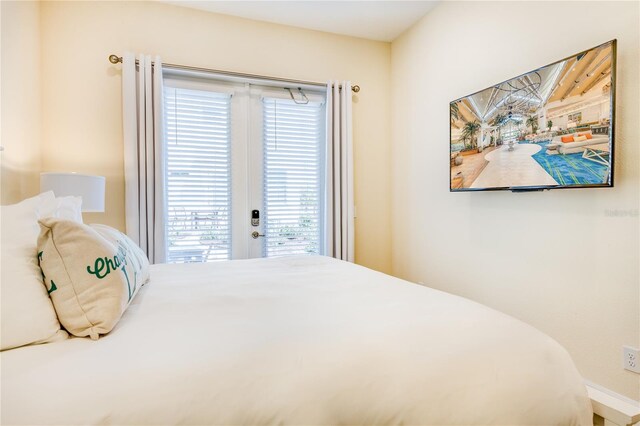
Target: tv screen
{"points": [[549, 128]]}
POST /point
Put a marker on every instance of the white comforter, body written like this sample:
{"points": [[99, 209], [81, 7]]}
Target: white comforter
{"points": [[305, 340]]}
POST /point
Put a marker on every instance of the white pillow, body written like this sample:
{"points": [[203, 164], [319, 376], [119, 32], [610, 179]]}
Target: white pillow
{"points": [[27, 314], [68, 208], [94, 273]]}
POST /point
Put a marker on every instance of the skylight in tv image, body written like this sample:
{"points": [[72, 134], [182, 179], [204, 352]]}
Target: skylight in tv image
{"points": [[549, 128]]}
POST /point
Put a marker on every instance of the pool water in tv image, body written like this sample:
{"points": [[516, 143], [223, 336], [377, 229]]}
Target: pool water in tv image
{"points": [[549, 128]]}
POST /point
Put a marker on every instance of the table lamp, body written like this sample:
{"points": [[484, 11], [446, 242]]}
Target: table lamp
{"points": [[89, 188]]}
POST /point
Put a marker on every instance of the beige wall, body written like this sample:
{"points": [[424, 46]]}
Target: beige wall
{"points": [[82, 99], [20, 100], [558, 260]]}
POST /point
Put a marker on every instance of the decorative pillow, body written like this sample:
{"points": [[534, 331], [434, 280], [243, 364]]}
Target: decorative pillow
{"points": [[93, 272], [588, 135], [580, 139], [27, 315], [138, 258], [567, 139], [69, 208]]}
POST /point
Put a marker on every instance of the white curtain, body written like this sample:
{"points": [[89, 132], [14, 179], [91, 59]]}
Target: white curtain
{"points": [[340, 206], [144, 154]]}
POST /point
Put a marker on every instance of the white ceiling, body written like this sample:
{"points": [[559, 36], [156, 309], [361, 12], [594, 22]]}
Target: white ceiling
{"points": [[375, 20]]}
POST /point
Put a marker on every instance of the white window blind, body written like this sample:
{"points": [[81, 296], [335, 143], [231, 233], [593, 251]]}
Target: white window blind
{"points": [[198, 127], [293, 176]]}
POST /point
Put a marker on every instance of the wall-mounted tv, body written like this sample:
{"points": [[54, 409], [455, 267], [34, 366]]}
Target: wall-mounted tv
{"points": [[546, 129]]}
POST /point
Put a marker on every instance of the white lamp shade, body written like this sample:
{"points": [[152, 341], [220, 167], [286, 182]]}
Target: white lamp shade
{"points": [[89, 188]]}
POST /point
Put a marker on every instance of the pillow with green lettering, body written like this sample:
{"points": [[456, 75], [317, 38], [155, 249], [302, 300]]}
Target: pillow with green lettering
{"points": [[96, 271], [137, 257]]}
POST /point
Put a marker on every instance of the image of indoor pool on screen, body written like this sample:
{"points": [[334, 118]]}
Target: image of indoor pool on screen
{"points": [[550, 128]]}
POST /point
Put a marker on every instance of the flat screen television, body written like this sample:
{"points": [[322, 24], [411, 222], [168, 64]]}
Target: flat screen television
{"points": [[546, 129]]}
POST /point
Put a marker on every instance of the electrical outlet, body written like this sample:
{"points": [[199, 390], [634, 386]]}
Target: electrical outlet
{"points": [[631, 359]]}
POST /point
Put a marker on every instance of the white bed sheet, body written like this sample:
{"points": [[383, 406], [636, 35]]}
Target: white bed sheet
{"points": [[303, 340]]}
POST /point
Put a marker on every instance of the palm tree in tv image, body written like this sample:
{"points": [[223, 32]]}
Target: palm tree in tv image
{"points": [[454, 112], [532, 122], [469, 133], [498, 121]]}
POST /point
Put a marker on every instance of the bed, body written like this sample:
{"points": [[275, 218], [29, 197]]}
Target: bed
{"points": [[300, 340]]}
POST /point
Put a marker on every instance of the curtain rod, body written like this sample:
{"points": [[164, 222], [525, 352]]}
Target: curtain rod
{"points": [[115, 59]]}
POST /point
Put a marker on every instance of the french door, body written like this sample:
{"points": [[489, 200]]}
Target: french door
{"points": [[245, 170]]}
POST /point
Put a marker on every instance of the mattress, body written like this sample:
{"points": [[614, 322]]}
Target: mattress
{"points": [[301, 340]]}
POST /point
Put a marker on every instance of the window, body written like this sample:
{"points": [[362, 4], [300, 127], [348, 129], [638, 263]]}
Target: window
{"points": [[197, 129], [576, 117], [293, 160]]}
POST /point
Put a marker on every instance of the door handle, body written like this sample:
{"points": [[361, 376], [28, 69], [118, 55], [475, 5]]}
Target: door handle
{"points": [[256, 234]]}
